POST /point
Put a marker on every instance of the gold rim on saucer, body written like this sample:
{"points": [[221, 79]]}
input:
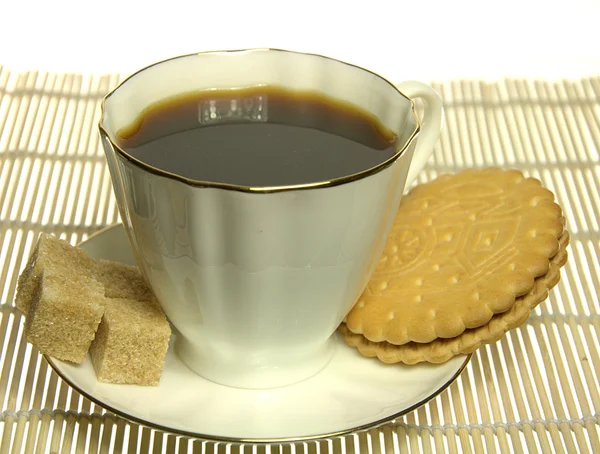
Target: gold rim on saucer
{"points": [[240, 440]]}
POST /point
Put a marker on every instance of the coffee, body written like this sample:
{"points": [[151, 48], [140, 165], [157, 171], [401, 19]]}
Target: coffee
{"points": [[258, 137]]}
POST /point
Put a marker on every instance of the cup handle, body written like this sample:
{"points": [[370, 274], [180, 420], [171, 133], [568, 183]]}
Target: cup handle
{"points": [[431, 124]]}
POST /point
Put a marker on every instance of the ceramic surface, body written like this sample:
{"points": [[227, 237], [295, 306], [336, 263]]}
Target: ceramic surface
{"points": [[351, 392], [256, 280]]}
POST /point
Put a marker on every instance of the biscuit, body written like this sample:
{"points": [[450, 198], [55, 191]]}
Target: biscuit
{"points": [[441, 350], [462, 249]]}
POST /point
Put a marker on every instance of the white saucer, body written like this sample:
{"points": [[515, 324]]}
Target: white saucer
{"points": [[352, 393]]}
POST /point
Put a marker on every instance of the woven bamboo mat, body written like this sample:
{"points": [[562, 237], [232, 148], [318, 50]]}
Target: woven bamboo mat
{"points": [[537, 390]]}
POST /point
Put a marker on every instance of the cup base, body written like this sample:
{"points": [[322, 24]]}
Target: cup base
{"points": [[241, 373]]}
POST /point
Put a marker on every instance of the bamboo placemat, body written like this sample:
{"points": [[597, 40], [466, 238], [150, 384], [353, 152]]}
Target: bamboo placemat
{"points": [[538, 389]]}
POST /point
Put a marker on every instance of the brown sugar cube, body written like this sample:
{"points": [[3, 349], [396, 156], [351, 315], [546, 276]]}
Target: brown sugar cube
{"points": [[131, 342], [64, 313], [51, 252], [133, 337], [123, 281]]}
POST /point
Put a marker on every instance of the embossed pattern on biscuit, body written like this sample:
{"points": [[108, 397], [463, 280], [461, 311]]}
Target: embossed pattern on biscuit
{"points": [[463, 247], [441, 350]]}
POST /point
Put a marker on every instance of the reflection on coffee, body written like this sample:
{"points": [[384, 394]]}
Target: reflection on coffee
{"points": [[258, 137]]}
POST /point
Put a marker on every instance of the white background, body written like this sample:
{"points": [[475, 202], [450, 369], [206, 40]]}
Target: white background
{"points": [[427, 40]]}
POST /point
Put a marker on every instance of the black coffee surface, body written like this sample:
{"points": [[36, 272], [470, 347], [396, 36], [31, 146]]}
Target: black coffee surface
{"points": [[258, 137]]}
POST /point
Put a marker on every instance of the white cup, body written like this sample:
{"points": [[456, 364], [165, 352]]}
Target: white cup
{"points": [[256, 279]]}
